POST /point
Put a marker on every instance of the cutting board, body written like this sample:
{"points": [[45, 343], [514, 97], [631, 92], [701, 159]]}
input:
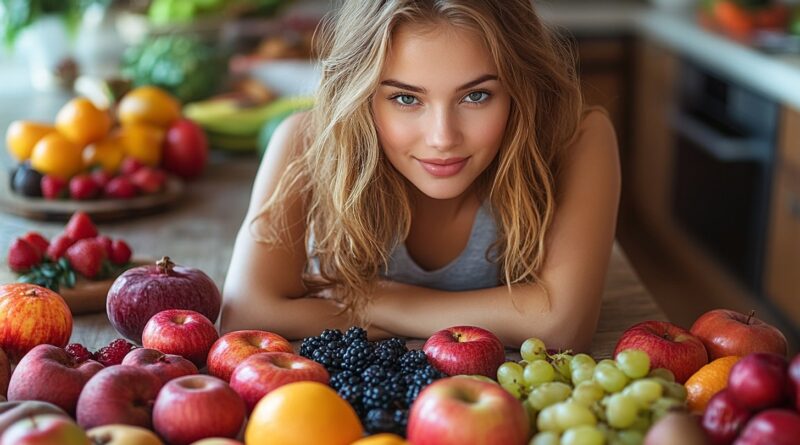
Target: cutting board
{"points": [[89, 296]]}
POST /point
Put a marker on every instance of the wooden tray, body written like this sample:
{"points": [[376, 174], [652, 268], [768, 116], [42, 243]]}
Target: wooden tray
{"points": [[98, 209], [88, 296]]}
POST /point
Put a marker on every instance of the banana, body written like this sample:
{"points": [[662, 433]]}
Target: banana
{"points": [[227, 117]]}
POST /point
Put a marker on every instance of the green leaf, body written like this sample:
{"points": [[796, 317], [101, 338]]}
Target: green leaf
{"points": [[50, 270], [64, 263], [27, 278], [71, 278]]}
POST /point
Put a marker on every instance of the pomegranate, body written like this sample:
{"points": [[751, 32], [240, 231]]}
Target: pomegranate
{"points": [[143, 291]]}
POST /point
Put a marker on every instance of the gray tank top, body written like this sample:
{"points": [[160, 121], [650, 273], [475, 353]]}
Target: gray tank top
{"points": [[470, 270]]}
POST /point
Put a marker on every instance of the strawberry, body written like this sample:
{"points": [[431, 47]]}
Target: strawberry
{"points": [[53, 187], [105, 242], [101, 178], [120, 187], [83, 187], [129, 166], [120, 253], [149, 180], [86, 257], [36, 240], [59, 246], [22, 256], [80, 226], [114, 353]]}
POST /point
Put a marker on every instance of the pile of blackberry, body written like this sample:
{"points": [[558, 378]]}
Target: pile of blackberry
{"points": [[380, 379]]}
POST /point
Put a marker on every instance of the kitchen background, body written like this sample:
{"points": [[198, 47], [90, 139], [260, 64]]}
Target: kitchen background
{"points": [[705, 96]]}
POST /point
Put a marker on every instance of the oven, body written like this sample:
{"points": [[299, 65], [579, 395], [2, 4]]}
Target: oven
{"points": [[725, 137]]}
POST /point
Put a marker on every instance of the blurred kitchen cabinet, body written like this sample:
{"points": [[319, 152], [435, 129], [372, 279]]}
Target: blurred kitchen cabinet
{"points": [[782, 274], [649, 182]]}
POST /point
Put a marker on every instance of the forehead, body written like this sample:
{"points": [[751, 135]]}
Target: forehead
{"points": [[420, 54]]}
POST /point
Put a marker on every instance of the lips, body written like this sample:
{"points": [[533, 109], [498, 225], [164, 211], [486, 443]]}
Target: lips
{"points": [[443, 167]]}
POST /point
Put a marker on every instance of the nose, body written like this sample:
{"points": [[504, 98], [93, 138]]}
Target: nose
{"points": [[443, 131]]}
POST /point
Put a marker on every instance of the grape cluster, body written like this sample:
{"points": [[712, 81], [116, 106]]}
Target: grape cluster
{"points": [[571, 399], [379, 379]]}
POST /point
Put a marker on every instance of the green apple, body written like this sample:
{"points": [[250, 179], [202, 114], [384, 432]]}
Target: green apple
{"points": [[45, 429]]}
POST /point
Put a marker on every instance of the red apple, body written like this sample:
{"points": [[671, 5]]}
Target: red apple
{"points": [[725, 332], [259, 374], [49, 374], [181, 332], [194, 407], [165, 366], [771, 427], [233, 347], [44, 429], [123, 435], [794, 381], [11, 412], [118, 394], [217, 441], [32, 315], [185, 150], [759, 380], [464, 412], [724, 418], [141, 292], [668, 346], [5, 373], [465, 350]]}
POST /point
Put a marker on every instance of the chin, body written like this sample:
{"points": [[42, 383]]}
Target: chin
{"points": [[443, 189]]}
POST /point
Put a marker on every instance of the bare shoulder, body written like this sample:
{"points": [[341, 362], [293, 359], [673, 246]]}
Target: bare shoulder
{"points": [[595, 142]]}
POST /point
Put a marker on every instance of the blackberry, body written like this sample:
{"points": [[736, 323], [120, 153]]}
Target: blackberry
{"points": [[309, 345], [380, 421], [398, 345], [374, 375], [426, 376], [412, 391], [376, 397], [344, 378], [331, 335], [352, 394], [324, 357], [357, 356], [396, 384], [353, 334], [400, 417], [385, 357], [413, 360]]}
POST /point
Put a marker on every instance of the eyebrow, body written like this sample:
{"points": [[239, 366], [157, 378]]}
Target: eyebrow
{"points": [[405, 86]]}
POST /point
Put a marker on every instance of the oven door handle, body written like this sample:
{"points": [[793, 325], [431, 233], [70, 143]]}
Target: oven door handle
{"points": [[721, 146]]}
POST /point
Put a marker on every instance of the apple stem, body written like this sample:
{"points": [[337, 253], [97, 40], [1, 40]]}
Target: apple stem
{"points": [[33, 421], [165, 265], [749, 316], [31, 292]]}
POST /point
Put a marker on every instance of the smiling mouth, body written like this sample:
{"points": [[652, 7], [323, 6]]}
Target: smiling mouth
{"points": [[443, 167]]}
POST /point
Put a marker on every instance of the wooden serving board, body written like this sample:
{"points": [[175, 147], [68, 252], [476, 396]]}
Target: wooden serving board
{"points": [[89, 296], [98, 209]]}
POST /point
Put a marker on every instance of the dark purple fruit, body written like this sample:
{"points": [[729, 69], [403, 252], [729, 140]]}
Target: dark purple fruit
{"points": [[27, 181]]}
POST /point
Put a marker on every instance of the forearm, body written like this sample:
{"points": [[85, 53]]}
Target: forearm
{"points": [[415, 311]]}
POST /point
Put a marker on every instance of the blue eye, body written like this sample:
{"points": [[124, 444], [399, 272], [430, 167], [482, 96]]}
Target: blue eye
{"points": [[405, 99], [477, 97]]}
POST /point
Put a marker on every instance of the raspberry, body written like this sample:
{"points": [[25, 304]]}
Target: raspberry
{"points": [[114, 352], [79, 353]]}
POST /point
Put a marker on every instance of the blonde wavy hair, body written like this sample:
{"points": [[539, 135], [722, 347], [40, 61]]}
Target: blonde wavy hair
{"points": [[358, 205]]}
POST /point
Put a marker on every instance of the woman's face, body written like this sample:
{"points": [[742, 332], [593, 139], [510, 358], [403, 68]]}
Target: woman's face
{"points": [[440, 109]]}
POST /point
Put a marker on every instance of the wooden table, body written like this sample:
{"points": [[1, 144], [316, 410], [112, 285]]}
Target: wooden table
{"points": [[200, 232]]}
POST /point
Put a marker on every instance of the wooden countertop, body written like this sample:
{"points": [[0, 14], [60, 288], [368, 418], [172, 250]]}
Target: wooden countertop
{"points": [[200, 231]]}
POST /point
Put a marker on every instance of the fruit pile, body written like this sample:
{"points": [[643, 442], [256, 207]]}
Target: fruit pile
{"points": [[85, 156], [79, 250], [380, 379], [579, 401]]}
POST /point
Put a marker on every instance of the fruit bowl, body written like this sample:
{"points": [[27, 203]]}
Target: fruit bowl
{"points": [[99, 209]]}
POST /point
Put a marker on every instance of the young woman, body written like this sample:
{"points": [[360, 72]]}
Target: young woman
{"points": [[449, 174]]}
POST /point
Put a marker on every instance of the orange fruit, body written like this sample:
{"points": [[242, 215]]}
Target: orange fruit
{"points": [[149, 105], [107, 153], [707, 381], [381, 439], [56, 155], [303, 413], [143, 142], [21, 136], [81, 122]]}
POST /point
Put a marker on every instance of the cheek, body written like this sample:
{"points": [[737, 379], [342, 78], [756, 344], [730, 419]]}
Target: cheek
{"points": [[396, 133]]}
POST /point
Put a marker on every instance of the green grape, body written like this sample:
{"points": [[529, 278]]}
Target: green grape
{"points": [[610, 378], [548, 394], [571, 414], [583, 435], [675, 390], [644, 391], [538, 372], [581, 360], [663, 373], [607, 361], [545, 438], [561, 363], [588, 392], [582, 373], [515, 389], [547, 420], [621, 410], [509, 372], [630, 437], [662, 406], [533, 349], [634, 363], [642, 422]]}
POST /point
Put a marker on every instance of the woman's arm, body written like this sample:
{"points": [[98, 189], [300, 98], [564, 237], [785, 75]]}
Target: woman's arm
{"points": [[579, 248], [263, 287]]}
